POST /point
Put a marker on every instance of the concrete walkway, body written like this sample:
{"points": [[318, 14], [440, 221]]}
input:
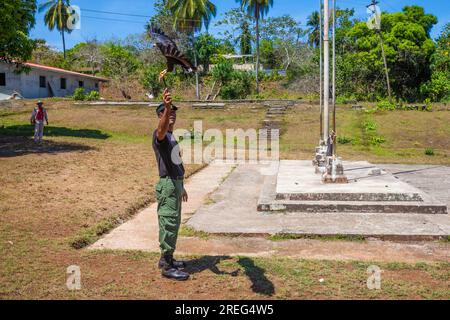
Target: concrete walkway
{"points": [[141, 232]]}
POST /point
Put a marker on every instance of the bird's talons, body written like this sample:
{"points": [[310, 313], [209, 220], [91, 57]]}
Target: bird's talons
{"points": [[162, 74]]}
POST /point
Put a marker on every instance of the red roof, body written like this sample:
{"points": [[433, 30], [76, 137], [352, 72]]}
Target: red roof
{"points": [[40, 66]]}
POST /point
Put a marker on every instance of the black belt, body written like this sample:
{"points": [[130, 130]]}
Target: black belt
{"points": [[173, 178]]}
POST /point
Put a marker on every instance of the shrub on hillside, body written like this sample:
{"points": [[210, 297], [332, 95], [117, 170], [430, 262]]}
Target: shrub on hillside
{"points": [[239, 87]]}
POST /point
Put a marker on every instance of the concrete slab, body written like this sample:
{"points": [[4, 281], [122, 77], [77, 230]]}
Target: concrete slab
{"points": [[298, 188], [297, 181], [233, 211]]}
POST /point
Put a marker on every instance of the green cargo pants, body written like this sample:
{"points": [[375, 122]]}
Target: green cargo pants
{"points": [[168, 195]]}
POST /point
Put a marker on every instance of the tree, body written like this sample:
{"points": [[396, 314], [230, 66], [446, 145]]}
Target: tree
{"points": [[284, 33], [89, 54], [245, 41], [43, 54], [408, 49], [237, 30], [438, 87], [206, 46], [269, 57], [258, 9], [189, 16], [16, 20], [57, 15], [119, 64], [313, 21]]}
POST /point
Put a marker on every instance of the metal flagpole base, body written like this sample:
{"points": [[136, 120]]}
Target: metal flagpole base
{"points": [[320, 159], [334, 171]]}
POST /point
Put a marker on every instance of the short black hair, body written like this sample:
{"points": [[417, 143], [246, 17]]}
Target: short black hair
{"points": [[161, 107]]}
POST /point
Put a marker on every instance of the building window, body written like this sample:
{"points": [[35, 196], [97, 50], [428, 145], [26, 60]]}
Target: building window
{"points": [[81, 84], [63, 83], [96, 85], [42, 82], [2, 79]]}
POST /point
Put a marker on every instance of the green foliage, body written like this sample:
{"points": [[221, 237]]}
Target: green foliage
{"points": [[268, 55], [93, 96], [239, 87], [150, 79], [245, 40], [376, 140], [274, 75], [79, 94], [344, 140], [369, 125], [206, 46], [235, 84], [16, 20], [386, 105], [438, 88], [223, 71], [429, 151], [118, 61], [189, 16], [408, 48]]}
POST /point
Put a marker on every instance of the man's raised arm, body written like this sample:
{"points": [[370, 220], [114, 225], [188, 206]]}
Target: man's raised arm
{"points": [[163, 125]]}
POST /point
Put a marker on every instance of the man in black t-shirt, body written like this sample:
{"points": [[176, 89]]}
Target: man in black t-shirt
{"points": [[170, 192]]}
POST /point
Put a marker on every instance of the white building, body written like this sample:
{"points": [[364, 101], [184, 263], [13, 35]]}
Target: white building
{"points": [[43, 81]]}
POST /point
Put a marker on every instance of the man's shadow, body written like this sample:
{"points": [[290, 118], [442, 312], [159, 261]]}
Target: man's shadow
{"points": [[260, 283]]}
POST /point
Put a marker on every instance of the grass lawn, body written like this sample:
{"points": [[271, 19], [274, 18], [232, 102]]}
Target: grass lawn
{"points": [[96, 169], [406, 135]]}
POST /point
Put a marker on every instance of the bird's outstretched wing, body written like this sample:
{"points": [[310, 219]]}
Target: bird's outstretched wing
{"points": [[171, 52]]}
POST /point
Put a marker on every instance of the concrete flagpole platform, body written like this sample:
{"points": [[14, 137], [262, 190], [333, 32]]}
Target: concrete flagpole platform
{"points": [[296, 188]]}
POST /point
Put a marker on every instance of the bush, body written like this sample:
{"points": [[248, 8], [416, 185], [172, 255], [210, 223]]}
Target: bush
{"points": [[376, 141], [223, 71], [438, 88], [386, 105], [344, 140], [235, 84], [92, 96], [79, 95], [239, 87], [369, 125], [429, 151]]}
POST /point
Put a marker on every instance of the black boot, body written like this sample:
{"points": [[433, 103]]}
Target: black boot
{"points": [[165, 261], [170, 271]]}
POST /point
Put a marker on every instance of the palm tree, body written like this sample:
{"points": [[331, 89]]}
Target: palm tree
{"points": [[189, 17], [313, 22], [257, 9], [56, 15]]}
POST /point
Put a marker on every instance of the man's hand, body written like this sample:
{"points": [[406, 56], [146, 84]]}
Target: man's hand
{"points": [[167, 99], [164, 122], [184, 196]]}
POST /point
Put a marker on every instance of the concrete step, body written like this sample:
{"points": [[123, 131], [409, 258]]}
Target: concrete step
{"points": [[353, 206], [208, 106]]}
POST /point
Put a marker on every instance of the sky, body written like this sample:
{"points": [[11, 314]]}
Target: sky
{"points": [[127, 17]]}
